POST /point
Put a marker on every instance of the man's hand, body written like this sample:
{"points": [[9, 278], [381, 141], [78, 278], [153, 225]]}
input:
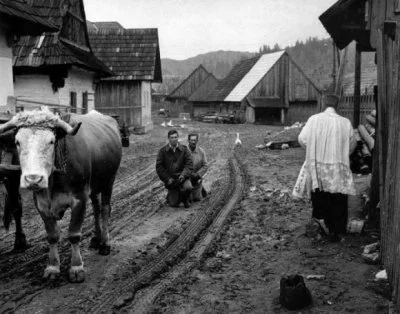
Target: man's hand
{"points": [[170, 181]]}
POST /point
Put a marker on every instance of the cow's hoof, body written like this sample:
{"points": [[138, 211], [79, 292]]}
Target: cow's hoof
{"points": [[104, 249], [20, 244], [52, 272], [94, 243], [76, 274]]}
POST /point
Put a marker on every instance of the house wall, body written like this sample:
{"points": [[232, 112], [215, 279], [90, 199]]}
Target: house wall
{"points": [[37, 88], [286, 81], [6, 77], [191, 83], [130, 100]]}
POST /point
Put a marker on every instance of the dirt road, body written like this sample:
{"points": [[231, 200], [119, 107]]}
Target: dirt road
{"points": [[223, 255]]}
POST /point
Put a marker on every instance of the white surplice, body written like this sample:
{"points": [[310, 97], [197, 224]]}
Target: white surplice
{"points": [[328, 139]]}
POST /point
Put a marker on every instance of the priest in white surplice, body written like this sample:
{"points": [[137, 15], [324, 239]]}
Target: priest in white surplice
{"points": [[325, 175]]}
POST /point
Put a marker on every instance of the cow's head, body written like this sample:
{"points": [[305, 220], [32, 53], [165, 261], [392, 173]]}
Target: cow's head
{"points": [[35, 138]]}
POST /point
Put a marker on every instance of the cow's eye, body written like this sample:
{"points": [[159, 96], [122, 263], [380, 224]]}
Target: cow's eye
{"points": [[17, 143], [51, 142]]}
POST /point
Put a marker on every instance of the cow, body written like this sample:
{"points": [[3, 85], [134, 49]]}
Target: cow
{"points": [[64, 162]]}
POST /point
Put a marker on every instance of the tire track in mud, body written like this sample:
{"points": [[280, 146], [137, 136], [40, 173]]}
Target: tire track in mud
{"points": [[121, 294], [130, 204], [143, 303]]}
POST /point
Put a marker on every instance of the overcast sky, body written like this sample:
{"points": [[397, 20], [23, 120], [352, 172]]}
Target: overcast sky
{"points": [[187, 28]]}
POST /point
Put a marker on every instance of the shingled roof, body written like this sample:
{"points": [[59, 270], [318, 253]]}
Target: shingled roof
{"points": [[104, 25], [132, 54], [226, 85], [69, 46], [24, 19]]}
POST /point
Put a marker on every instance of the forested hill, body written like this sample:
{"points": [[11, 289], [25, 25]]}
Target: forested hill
{"points": [[314, 56]]}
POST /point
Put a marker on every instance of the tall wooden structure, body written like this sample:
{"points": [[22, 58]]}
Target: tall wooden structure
{"points": [[134, 56], [375, 25], [179, 97], [269, 89]]}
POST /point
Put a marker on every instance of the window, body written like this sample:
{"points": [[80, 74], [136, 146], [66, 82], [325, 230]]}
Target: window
{"points": [[72, 102], [84, 102]]}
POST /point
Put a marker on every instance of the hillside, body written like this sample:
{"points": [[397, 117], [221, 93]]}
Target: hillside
{"points": [[314, 56]]}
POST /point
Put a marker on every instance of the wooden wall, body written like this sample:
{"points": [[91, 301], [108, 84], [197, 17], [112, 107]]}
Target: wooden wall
{"points": [[384, 23], [121, 98], [190, 84], [301, 111], [288, 82]]}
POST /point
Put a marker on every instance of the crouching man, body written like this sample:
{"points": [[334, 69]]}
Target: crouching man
{"points": [[200, 167], [174, 166]]}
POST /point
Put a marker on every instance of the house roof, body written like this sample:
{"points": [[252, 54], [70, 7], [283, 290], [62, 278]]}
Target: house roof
{"points": [[369, 78], [345, 22], [266, 102], [25, 19], [69, 46], [205, 88], [104, 25], [132, 54], [177, 93], [226, 85], [253, 76]]}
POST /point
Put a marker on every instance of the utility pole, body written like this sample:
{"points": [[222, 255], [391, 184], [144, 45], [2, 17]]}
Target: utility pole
{"points": [[357, 87], [334, 66]]}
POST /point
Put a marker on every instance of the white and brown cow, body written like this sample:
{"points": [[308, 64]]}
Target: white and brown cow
{"points": [[64, 164]]}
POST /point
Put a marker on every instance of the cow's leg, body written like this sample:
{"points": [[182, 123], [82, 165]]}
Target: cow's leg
{"points": [[95, 241], [105, 247], [52, 270], [76, 271], [13, 203]]}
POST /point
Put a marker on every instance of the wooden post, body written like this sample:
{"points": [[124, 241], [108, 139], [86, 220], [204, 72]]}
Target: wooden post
{"points": [[282, 115], [334, 66], [357, 87]]}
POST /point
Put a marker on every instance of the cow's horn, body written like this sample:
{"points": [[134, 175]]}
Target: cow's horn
{"points": [[67, 128], [8, 125]]}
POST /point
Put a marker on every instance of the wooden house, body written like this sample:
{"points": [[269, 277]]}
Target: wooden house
{"points": [[134, 56], [270, 89], [375, 25], [179, 97], [58, 69], [16, 19]]}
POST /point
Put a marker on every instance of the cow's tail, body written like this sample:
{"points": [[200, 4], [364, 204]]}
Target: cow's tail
{"points": [[8, 213]]}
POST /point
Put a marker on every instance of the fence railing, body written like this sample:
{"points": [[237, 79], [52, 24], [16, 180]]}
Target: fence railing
{"points": [[346, 106], [27, 104]]}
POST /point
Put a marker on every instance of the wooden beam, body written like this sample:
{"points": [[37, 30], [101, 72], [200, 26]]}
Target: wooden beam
{"points": [[357, 87]]}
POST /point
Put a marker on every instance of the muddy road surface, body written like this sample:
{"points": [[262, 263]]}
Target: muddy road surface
{"points": [[224, 254]]}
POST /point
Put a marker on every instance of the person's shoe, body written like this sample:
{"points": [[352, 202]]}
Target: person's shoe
{"points": [[186, 204]]}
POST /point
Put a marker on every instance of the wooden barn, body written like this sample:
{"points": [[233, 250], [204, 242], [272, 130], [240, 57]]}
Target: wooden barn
{"points": [[268, 89], [16, 19], [134, 56], [375, 25], [59, 68], [179, 97]]}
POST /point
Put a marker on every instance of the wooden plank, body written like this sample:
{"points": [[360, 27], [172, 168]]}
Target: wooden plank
{"points": [[357, 86]]}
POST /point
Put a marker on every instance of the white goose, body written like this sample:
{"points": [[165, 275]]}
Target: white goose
{"points": [[237, 140], [163, 124], [170, 123]]}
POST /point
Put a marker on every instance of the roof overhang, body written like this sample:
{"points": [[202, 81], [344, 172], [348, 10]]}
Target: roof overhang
{"points": [[266, 102], [24, 19], [346, 21]]}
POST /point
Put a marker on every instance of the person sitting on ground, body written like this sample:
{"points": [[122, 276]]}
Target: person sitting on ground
{"points": [[174, 166], [325, 174], [199, 167]]}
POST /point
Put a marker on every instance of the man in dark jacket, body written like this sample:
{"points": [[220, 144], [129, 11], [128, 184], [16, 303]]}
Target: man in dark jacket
{"points": [[174, 166]]}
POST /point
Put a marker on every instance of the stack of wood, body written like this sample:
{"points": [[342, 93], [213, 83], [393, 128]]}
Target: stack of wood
{"points": [[361, 158]]}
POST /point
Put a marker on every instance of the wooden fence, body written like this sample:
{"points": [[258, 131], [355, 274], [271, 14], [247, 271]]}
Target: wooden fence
{"points": [[346, 106]]}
